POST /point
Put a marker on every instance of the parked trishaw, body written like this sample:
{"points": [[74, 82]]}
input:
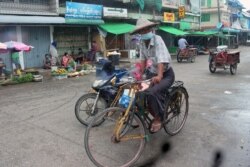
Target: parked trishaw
{"points": [[188, 54], [224, 59]]}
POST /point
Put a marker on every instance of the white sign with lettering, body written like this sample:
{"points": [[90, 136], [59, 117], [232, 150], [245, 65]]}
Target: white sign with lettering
{"points": [[115, 12]]}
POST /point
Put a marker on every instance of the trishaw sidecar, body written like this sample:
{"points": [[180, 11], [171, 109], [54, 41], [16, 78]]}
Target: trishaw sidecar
{"points": [[188, 54], [224, 59]]}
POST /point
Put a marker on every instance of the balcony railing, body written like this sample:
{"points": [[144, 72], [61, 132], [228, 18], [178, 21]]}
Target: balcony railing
{"points": [[29, 7]]}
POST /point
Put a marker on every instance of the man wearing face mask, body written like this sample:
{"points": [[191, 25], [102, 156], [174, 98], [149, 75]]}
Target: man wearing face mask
{"points": [[156, 64]]}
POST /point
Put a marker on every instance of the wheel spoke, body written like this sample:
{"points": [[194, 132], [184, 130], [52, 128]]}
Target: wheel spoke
{"points": [[103, 149], [176, 120], [84, 105]]}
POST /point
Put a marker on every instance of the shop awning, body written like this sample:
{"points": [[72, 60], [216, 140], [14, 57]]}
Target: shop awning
{"points": [[223, 36], [203, 33], [226, 29], [117, 28], [83, 21], [31, 19], [172, 30]]}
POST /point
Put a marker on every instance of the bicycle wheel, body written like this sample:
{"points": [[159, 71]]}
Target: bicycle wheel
{"points": [[84, 107], [176, 111], [101, 147]]}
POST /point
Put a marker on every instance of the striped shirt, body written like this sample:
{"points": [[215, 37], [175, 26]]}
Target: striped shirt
{"points": [[156, 53]]}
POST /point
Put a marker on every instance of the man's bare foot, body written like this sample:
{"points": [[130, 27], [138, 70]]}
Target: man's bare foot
{"points": [[155, 126]]}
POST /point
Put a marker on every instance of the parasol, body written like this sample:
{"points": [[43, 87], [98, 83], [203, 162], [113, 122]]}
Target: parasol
{"points": [[17, 46], [3, 46]]}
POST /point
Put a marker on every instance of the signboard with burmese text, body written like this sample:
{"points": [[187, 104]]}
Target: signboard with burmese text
{"points": [[181, 12], [168, 17], [83, 11], [115, 12]]}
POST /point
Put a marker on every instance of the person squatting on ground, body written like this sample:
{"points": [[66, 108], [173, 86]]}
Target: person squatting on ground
{"points": [[68, 62], [156, 63], [47, 62]]}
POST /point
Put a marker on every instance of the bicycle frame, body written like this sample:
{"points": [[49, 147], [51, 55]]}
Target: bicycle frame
{"points": [[134, 88], [128, 122]]}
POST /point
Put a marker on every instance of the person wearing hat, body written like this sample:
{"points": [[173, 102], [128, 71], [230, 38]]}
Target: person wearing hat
{"points": [[156, 64]]}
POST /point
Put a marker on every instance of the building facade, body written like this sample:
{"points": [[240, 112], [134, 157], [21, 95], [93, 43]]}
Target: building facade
{"points": [[29, 22], [40, 22], [227, 13]]}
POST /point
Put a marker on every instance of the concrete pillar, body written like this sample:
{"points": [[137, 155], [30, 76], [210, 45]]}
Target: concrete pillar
{"points": [[51, 31], [19, 39], [89, 37]]}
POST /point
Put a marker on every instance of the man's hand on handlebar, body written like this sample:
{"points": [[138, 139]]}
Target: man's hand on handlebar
{"points": [[156, 79]]}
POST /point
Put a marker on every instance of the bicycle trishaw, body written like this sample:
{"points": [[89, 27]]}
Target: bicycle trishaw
{"points": [[188, 54], [223, 58], [120, 139]]}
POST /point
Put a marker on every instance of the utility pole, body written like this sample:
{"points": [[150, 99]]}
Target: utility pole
{"points": [[218, 6], [200, 15], [219, 20]]}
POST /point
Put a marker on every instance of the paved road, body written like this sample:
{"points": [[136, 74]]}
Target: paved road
{"points": [[38, 127]]}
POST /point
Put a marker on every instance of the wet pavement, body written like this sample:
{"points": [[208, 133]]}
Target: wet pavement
{"points": [[38, 127]]}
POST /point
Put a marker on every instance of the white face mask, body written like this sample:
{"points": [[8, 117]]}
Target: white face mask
{"points": [[147, 36]]}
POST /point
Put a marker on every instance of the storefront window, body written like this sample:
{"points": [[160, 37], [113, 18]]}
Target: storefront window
{"points": [[209, 3], [205, 17], [182, 2], [203, 3]]}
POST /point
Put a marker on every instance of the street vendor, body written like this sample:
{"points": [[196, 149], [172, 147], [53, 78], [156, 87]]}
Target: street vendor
{"points": [[68, 62], [16, 62], [92, 53]]}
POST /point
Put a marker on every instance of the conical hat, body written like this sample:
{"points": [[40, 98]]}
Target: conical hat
{"points": [[143, 23]]}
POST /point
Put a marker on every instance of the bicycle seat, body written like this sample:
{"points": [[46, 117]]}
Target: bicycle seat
{"points": [[175, 85]]}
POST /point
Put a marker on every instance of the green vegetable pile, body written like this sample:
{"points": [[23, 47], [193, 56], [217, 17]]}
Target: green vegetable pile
{"points": [[23, 78]]}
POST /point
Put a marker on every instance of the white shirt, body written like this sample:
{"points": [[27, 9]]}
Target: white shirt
{"points": [[53, 51], [182, 43]]}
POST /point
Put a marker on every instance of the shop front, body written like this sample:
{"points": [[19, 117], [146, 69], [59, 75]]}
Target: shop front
{"points": [[170, 35], [69, 39], [7, 33], [39, 38], [31, 30], [116, 31], [116, 37], [81, 21]]}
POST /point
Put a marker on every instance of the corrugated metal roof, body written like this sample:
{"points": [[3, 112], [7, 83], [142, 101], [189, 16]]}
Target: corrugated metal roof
{"points": [[31, 19]]}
